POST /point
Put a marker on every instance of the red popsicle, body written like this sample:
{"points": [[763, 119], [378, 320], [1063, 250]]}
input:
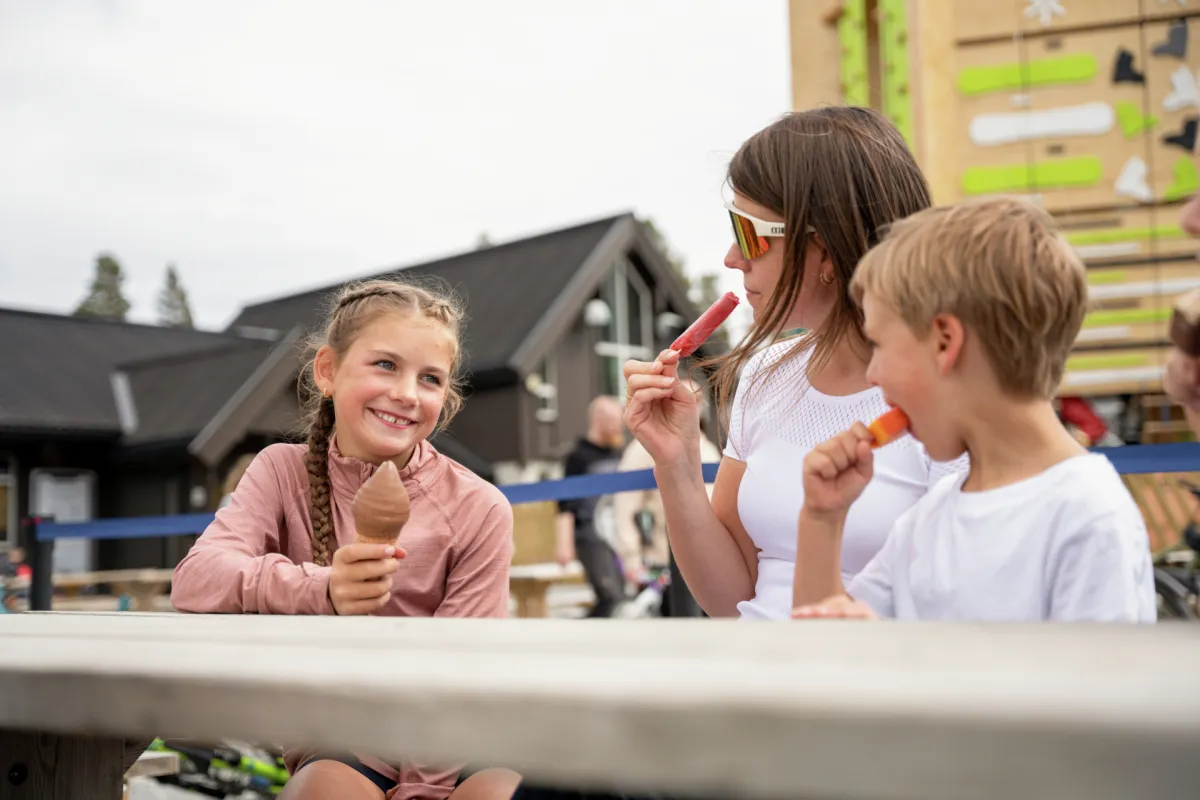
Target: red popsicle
{"points": [[702, 328]]}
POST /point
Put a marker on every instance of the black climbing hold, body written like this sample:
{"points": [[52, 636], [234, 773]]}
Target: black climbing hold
{"points": [[1176, 43], [1123, 71], [1186, 138]]}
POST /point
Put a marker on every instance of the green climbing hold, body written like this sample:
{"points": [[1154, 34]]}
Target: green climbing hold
{"points": [[1185, 179], [1132, 120], [1063, 173], [1073, 68]]}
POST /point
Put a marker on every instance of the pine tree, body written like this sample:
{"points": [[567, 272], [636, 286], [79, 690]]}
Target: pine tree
{"points": [[105, 299], [173, 308]]}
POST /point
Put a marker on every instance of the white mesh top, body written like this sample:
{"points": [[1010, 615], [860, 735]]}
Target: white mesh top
{"points": [[774, 422]]}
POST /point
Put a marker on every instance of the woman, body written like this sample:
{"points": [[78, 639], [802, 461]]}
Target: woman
{"points": [[811, 194]]}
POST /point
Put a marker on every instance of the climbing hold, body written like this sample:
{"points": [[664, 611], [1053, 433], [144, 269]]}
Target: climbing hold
{"points": [[1132, 120], [1184, 91], [1176, 43], [1186, 138], [1185, 180], [1123, 71], [1132, 180]]}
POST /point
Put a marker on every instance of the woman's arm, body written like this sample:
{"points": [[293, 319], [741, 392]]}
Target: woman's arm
{"points": [[235, 567], [714, 553]]}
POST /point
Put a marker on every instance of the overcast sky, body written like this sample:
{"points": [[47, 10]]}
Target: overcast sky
{"points": [[269, 147]]}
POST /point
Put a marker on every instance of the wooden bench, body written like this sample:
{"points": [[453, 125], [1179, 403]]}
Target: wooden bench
{"points": [[1166, 505], [145, 587], [860, 711]]}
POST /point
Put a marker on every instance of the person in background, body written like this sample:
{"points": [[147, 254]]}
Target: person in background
{"points": [[584, 528], [641, 541]]}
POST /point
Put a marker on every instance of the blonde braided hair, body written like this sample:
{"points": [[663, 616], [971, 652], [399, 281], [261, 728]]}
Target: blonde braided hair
{"points": [[355, 307]]}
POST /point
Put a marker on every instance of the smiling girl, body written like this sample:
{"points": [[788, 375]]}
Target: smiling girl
{"points": [[383, 378]]}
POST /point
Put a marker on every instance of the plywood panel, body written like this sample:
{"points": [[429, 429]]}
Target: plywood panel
{"points": [[1165, 9], [1173, 100], [1171, 240], [1065, 14], [975, 20], [1088, 104]]}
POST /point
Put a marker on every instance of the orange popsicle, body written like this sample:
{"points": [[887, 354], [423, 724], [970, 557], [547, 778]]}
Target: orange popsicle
{"points": [[888, 427], [703, 327]]}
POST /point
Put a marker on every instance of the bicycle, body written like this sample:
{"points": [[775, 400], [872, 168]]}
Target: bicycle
{"points": [[1177, 573]]}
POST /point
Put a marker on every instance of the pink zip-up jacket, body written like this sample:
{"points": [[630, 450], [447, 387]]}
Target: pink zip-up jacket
{"points": [[256, 557]]}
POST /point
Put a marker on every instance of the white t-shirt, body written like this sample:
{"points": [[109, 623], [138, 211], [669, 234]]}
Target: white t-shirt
{"points": [[1068, 544], [776, 419]]}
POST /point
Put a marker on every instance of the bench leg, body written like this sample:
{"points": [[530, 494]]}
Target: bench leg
{"points": [[55, 767]]}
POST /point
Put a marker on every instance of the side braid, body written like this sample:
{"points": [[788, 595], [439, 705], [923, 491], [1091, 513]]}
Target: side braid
{"points": [[317, 461]]}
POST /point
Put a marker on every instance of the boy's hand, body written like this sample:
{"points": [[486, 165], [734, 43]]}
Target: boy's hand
{"points": [[837, 607], [361, 581], [836, 471]]}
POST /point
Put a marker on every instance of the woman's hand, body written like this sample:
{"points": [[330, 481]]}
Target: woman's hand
{"points": [[361, 581], [836, 471], [662, 412], [837, 607]]}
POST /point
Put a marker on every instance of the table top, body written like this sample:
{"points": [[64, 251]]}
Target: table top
{"points": [[846, 709]]}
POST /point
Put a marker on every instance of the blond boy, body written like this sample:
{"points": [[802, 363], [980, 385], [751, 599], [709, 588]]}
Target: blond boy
{"points": [[972, 310]]}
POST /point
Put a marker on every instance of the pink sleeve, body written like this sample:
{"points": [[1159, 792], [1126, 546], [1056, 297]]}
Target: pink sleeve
{"points": [[236, 567], [477, 585]]}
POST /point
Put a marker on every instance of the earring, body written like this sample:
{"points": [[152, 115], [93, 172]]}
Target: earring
{"points": [[827, 278], [325, 392]]}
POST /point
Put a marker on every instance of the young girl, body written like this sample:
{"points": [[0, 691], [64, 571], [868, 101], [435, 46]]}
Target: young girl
{"points": [[384, 377]]}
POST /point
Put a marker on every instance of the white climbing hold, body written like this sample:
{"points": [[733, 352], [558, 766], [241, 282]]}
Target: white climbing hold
{"points": [[1089, 119], [1044, 10], [1132, 180], [1184, 91]]}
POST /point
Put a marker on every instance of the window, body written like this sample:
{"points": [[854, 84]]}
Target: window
{"points": [[629, 332], [543, 384]]}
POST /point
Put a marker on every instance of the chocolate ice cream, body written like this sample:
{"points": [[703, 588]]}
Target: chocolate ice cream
{"points": [[381, 507]]}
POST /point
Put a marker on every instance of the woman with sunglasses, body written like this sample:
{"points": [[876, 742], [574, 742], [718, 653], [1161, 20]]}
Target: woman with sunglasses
{"points": [[811, 194]]}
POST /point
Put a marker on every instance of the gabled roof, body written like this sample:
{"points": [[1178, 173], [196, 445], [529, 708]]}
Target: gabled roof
{"points": [[57, 369], [508, 287], [174, 397]]}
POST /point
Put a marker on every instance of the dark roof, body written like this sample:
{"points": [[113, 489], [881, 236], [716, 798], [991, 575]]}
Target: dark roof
{"points": [[57, 369], [175, 397], [507, 289]]}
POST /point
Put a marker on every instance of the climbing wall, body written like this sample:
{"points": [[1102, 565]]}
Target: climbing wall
{"points": [[1091, 106]]}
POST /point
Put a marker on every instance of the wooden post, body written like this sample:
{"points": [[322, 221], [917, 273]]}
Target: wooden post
{"points": [[42, 766]]}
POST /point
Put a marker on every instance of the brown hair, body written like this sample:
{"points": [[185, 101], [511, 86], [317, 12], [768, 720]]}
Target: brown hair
{"points": [[1001, 267], [355, 307], [847, 173]]}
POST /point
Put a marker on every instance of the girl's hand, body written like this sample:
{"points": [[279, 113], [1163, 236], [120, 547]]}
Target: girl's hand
{"points": [[361, 581], [661, 413], [837, 607], [836, 471]]}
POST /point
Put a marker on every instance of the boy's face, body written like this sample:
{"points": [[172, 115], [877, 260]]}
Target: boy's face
{"points": [[911, 371]]}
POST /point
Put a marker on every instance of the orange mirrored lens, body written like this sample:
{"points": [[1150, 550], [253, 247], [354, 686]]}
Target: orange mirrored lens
{"points": [[749, 242]]}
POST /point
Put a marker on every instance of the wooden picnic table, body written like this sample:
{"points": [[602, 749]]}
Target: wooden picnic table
{"points": [[529, 583], [143, 586], [854, 710]]}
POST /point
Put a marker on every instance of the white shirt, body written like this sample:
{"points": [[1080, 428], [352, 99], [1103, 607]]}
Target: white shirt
{"points": [[1068, 544], [776, 419]]}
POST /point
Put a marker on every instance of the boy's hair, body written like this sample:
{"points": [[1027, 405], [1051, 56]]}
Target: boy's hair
{"points": [[356, 306], [1000, 266]]}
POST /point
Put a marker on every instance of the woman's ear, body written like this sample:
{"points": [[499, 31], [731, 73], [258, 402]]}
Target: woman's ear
{"points": [[324, 367], [948, 337]]}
